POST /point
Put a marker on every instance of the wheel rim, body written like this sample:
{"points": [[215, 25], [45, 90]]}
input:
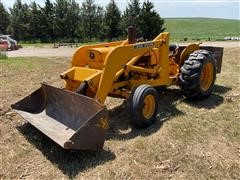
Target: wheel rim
{"points": [[206, 76], [149, 106]]}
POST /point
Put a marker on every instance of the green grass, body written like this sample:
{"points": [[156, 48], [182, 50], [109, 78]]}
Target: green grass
{"points": [[36, 45], [3, 55], [180, 28], [50, 45], [19, 63], [201, 28]]}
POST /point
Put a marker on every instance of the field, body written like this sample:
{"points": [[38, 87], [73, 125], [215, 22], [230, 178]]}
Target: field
{"points": [[202, 28], [180, 28], [190, 140]]}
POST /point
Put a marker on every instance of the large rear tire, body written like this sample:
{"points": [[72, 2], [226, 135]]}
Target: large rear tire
{"points": [[143, 106], [198, 75]]}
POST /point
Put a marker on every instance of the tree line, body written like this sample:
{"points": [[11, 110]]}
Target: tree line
{"points": [[68, 21]]}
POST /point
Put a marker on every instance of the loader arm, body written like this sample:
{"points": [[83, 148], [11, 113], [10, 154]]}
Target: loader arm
{"points": [[78, 59], [120, 56]]}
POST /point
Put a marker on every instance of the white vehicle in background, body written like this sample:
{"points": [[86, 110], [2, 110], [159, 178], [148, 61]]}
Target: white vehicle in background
{"points": [[12, 44]]}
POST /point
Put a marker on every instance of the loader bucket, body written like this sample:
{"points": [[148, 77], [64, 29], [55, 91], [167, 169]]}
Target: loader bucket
{"points": [[71, 120]]}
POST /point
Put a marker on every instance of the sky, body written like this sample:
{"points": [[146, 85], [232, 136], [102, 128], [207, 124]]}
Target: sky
{"points": [[227, 9]]}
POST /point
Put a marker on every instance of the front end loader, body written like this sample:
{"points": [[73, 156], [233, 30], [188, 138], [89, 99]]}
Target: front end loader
{"points": [[75, 117]]}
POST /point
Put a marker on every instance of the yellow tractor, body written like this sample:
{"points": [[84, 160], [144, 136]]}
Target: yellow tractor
{"points": [[75, 117]]}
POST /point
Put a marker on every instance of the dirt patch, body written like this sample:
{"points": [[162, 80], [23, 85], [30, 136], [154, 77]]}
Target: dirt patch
{"points": [[42, 52], [68, 52], [191, 140]]}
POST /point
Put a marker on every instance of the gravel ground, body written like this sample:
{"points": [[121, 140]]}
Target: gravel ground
{"points": [[68, 52], [42, 52]]}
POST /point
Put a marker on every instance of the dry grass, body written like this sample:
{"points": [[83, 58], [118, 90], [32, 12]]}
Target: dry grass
{"points": [[191, 140]]}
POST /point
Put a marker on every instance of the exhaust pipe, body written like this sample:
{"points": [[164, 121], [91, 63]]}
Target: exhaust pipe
{"points": [[132, 36]]}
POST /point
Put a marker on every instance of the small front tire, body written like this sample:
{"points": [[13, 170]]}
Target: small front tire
{"points": [[82, 89], [85, 90], [143, 106]]}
